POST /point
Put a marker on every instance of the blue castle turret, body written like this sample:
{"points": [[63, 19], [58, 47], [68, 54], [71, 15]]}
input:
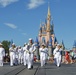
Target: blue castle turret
{"points": [[37, 48], [62, 44], [11, 42], [74, 45], [36, 42], [55, 40]]}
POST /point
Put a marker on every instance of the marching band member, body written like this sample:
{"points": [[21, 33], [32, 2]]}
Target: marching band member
{"points": [[57, 55], [25, 54], [16, 56], [30, 53], [43, 54], [20, 52], [2, 54], [12, 54]]}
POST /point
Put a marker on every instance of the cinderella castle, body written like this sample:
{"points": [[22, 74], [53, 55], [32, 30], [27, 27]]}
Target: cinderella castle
{"points": [[46, 33]]}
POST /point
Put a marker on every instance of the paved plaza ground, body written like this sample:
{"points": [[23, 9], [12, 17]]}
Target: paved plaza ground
{"points": [[49, 69]]}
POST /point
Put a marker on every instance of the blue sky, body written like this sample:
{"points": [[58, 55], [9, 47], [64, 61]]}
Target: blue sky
{"points": [[20, 19]]}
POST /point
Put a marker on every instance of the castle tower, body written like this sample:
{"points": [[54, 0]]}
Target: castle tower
{"points": [[46, 33], [40, 34], [48, 25], [37, 48]]}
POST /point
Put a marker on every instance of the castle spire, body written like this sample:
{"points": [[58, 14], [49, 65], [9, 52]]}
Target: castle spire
{"points": [[40, 26], [48, 19], [62, 44], [49, 13], [48, 28], [37, 40]]}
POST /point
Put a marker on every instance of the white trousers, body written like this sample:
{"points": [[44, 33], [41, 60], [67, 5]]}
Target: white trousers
{"points": [[12, 59], [43, 60], [25, 59], [58, 61], [1, 60], [20, 59], [30, 60]]}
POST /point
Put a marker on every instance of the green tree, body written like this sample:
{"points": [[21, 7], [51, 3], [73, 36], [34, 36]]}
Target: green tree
{"points": [[6, 45]]}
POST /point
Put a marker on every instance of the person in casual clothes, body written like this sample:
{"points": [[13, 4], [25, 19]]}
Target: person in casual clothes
{"points": [[2, 54], [67, 57]]}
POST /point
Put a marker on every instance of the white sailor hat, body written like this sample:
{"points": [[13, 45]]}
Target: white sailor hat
{"points": [[30, 38], [13, 44], [19, 46], [58, 44], [1, 44], [43, 44], [25, 43], [28, 44]]}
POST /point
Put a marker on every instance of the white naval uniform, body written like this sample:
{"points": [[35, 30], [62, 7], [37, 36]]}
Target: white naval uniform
{"points": [[20, 54], [2, 54], [25, 55], [57, 56], [16, 56], [12, 56], [30, 55], [43, 55]]}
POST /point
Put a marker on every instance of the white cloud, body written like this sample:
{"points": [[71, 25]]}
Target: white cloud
{"points": [[11, 25], [4, 3], [35, 3]]}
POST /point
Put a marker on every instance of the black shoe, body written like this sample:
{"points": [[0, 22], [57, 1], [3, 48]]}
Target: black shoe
{"points": [[45, 63], [26, 66], [32, 67], [29, 68], [12, 66], [59, 65]]}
